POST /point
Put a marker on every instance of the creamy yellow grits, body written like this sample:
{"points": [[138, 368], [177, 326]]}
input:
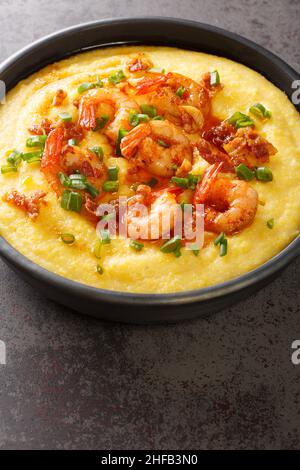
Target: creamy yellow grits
{"points": [[148, 271]]}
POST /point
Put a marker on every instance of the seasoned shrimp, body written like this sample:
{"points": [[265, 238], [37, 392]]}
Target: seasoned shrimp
{"points": [[139, 62], [120, 107], [59, 157], [158, 216], [180, 99], [158, 146], [230, 205]]}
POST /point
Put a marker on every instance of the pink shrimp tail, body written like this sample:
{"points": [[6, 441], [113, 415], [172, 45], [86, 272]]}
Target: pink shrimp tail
{"points": [[130, 142], [204, 186]]}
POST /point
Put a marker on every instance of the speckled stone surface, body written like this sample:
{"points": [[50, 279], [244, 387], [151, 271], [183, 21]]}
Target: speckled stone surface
{"points": [[223, 382]]}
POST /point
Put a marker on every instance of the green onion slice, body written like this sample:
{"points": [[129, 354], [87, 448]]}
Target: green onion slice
{"points": [[270, 223], [220, 239], [67, 238], [72, 142], [264, 173], [113, 172], [117, 77], [14, 158], [97, 248], [240, 120], [97, 150], [162, 143], [260, 111], [136, 118], [71, 201], [149, 110], [181, 91], [65, 117], [214, 78], [8, 169], [156, 70], [193, 181], [110, 186], [138, 246], [36, 141], [171, 245], [244, 173], [101, 122], [180, 182], [223, 247], [89, 85]]}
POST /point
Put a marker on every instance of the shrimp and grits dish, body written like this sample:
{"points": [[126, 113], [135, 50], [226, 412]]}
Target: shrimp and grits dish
{"points": [[88, 141]]}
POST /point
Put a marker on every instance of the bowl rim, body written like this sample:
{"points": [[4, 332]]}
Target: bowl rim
{"points": [[265, 270]]}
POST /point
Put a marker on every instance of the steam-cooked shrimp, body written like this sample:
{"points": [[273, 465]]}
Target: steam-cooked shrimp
{"points": [[158, 215], [230, 205], [59, 157], [180, 99], [158, 146], [120, 106]]}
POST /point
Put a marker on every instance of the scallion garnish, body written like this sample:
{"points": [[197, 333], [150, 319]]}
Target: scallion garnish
{"points": [[240, 120], [244, 173], [181, 91], [223, 247], [121, 134], [158, 118], [71, 201], [156, 70], [97, 248], [113, 172], [67, 238], [36, 141], [89, 85], [214, 78], [101, 122], [116, 77], [162, 143], [105, 237], [264, 173], [270, 223], [180, 182], [149, 110], [99, 269], [78, 181], [193, 181], [14, 158], [65, 117], [220, 238], [138, 246], [97, 150], [110, 186], [32, 157], [8, 169], [72, 142], [260, 111], [136, 118], [172, 245]]}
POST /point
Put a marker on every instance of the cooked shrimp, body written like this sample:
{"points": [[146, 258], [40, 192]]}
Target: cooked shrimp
{"points": [[158, 146], [156, 218], [230, 205], [121, 105], [139, 62], [58, 157], [186, 108]]}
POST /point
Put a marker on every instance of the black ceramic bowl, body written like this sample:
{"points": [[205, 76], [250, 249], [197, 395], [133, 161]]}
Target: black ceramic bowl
{"points": [[147, 308]]}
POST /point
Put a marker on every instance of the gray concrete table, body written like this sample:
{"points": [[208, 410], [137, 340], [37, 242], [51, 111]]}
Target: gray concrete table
{"points": [[224, 382]]}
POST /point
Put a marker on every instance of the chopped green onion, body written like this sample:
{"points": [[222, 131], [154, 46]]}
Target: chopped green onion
{"points": [[220, 239], [152, 182], [121, 134], [67, 238], [116, 78], [149, 110], [101, 122], [138, 246], [65, 180], [36, 141], [8, 169], [71, 201], [223, 247], [14, 158], [135, 119], [270, 223], [214, 78], [244, 173], [97, 150], [97, 249], [65, 117], [89, 85], [171, 245], [156, 70], [110, 186], [113, 172], [264, 173], [105, 237], [78, 181], [72, 142], [99, 269], [240, 120], [196, 252], [181, 91], [193, 181], [162, 143], [158, 118], [31, 157], [91, 190], [181, 182], [260, 111]]}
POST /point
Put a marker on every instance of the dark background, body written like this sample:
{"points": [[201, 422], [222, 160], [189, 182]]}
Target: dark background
{"points": [[223, 382]]}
